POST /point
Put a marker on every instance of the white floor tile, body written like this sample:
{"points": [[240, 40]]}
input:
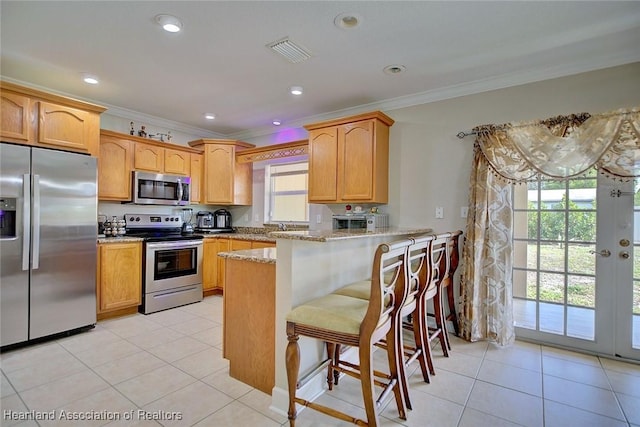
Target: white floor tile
{"points": [[153, 385], [474, 418], [583, 396], [237, 414], [150, 339], [131, 366], [559, 415], [520, 354], [57, 366], [63, 391], [445, 385], [175, 350], [190, 404], [107, 352], [624, 383], [511, 405], [511, 377], [578, 372], [571, 356], [229, 386], [428, 410], [631, 407], [202, 364], [261, 402]]}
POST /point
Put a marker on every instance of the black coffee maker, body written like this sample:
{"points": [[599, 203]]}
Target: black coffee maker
{"points": [[222, 219]]}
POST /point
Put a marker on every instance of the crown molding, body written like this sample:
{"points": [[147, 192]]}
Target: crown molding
{"points": [[502, 81]]}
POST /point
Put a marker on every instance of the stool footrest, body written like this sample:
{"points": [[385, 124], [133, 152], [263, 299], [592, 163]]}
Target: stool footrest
{"points": [[330, 411]]}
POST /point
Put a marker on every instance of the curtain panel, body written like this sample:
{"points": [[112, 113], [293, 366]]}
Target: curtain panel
{"points": [[557, 148]]}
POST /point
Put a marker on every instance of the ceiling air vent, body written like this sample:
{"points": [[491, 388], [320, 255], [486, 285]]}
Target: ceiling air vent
{"points": [[289, 50]]}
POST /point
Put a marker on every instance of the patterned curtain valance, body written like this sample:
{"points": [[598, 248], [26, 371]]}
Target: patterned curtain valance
{"points": [[564, 146]]}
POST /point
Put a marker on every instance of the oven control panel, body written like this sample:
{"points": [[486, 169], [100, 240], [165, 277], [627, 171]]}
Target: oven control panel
{"points": [[153, 220]]}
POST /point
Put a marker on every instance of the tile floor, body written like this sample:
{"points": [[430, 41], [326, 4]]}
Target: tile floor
{"points": [[172, 362]]}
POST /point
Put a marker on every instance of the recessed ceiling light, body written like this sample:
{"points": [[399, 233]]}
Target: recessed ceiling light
{"points": [[209, 116], [394, 69], [169, 23], [90, 79], [277, 122], [347, 21], [295, 90]]}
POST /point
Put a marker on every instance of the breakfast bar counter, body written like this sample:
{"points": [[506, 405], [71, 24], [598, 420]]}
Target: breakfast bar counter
{"points": [[311, 264]]}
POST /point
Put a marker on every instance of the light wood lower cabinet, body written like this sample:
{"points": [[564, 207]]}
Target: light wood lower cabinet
{"points": [[249, 322], [119, 278], [213, 266]]}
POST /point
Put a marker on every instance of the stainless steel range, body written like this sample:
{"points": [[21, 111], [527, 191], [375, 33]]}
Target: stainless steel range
{"points": [[172, 261]]}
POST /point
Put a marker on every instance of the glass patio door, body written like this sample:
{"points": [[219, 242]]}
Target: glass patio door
{"points": [[576, 274]]}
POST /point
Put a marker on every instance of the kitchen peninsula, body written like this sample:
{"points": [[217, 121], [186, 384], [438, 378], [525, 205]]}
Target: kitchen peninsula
{"points": [[310, 263]]}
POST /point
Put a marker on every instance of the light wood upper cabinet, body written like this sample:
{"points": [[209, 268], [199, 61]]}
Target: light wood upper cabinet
{"points": [[33, 117], [115, 164], [149, 157], [349, 159], [65, 127], [225, 182], [119, 276], [177, 162], [120, 154], [15, 114], [197, 166]]}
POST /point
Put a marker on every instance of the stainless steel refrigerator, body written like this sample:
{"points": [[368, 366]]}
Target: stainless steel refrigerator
{"points": [[48, 211]]}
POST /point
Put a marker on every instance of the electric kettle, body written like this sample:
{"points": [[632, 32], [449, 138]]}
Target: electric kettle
{"points": [[222, 219]]}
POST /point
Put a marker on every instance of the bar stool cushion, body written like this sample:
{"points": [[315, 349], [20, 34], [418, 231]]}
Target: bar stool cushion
{"points": [[332, 312]]}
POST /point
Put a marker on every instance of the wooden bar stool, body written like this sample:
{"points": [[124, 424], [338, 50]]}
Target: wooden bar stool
{"points": [[440, 261], [454, 259], [419, 269], [342, 320]]}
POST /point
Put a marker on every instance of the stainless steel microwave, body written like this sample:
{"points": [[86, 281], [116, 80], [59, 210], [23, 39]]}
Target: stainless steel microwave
{"points": [[160, 189], [363, 221]]}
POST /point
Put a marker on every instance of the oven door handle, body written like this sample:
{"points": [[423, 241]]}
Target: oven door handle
{"points": [[174, 244]]}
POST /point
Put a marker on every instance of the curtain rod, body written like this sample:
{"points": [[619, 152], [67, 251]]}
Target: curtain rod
{"points": [[464, 133]]}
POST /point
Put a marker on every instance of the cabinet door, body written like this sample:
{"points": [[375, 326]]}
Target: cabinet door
{"points": [[223, 245], [209, 264], [149, 158], [218, 171], [177, 162], [261, 245], [15, 115], [65, 127], [196, 177], [120, 275], [323, 165], [239, 245], [114, 168], [355, 165]]}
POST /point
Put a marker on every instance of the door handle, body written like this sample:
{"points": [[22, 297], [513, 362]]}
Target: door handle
{"points": [[606, 253], [624, 255], [26, 220]]}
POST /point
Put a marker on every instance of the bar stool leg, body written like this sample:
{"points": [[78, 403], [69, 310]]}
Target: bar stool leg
{"points": [[332, 374], [452, 311], [292, 357]]}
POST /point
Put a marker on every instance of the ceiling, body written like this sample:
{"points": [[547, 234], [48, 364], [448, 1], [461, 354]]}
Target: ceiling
{"points": [[219, 62]]}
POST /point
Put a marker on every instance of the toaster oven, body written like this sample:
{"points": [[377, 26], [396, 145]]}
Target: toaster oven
{"points": [[364, 221]]}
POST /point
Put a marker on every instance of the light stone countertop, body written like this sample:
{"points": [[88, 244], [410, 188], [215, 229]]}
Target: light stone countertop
{"points": [[242, 236], [263, 255], [333, 235]]}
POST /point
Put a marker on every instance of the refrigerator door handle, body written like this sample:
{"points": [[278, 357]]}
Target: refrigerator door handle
{"points": [[36, 222], [26, 219]]}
